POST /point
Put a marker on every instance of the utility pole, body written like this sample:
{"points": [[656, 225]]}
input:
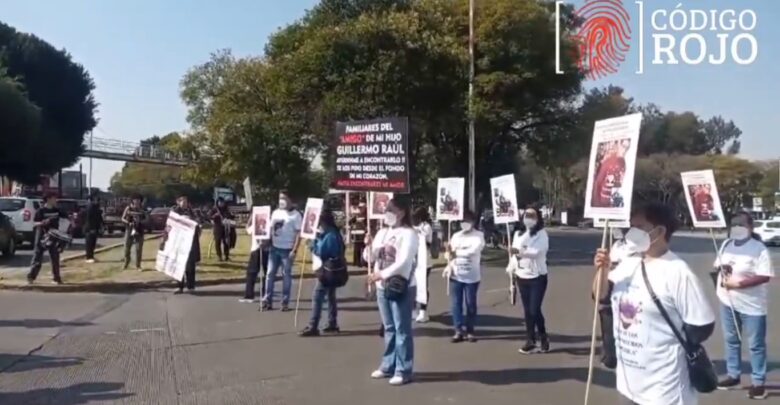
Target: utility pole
{"points": [[472, 136]]}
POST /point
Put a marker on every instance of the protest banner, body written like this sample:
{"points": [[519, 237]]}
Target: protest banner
{"points": [[372, 155], [377, 204], [450, 202], [611, 171], [504, 198], [701, 193], [176, 245], [311, 218], [248, 198]]}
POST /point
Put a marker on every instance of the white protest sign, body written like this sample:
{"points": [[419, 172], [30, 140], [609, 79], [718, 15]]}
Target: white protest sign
{"points": [[701, 193], [176, 245], [311, 218], [504, 198], [377, 204], [450, 200]]}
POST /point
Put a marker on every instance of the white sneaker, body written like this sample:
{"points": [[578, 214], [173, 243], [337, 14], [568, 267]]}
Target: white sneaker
{"points": [[379, 374], [422, 317], [246, 301], [397, 380], [90, 261]]}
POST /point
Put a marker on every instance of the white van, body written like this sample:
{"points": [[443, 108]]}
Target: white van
{"points": [[22, 211]]}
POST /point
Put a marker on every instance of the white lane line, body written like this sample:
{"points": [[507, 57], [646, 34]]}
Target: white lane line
{"points": [[146, 330]]}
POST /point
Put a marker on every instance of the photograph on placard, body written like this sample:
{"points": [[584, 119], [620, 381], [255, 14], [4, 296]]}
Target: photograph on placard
{"points": [[504, 197], [377, 204], [611, 170], [311, 218], [701, 193], [261, 221], [450, 201]]}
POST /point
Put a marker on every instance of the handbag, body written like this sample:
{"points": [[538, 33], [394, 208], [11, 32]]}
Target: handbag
{"points": [[396, 288], [700, 368], [334, 271]]}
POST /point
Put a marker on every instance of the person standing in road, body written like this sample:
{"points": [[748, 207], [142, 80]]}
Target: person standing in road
{"points": [[651, 361], [134, 219], [92, 224], [529, 249], [745, 272], [222, 233], [257, 265], [286, 224], [47, 218], [183, 208], [465, 274], [422, 224], [395, 250]]}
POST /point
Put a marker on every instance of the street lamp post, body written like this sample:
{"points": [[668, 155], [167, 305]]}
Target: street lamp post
{"points": [[472, 136]]}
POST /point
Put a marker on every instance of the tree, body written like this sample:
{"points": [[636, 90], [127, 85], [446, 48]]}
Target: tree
{"points": [[19, 129], [62, 91]]}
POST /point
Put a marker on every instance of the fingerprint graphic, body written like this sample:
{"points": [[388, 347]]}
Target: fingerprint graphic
{"points": [[604, 37]]}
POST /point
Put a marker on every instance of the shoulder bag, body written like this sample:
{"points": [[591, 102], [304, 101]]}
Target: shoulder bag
{"points": [[700, 369], [334, 271]]}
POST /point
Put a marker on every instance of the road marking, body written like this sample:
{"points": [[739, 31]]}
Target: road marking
{"points": [[146, 330]]}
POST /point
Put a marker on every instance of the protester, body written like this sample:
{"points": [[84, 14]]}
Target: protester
{"points": [[651, 361], [422, 224], [46, 219], [745, 271], [93, 221], [464, 273], [329, 246], [257, 265], [134, 218], [223, 233], [286, 225], [395, 248], [529, 249], [183, 208]]}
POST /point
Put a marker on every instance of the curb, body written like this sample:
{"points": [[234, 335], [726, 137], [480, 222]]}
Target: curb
{"points": [[104, 249]]}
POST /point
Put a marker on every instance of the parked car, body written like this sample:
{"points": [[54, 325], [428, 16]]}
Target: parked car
{"points": [[22, 211], [8, 237], [768, 231], [157, 219]]}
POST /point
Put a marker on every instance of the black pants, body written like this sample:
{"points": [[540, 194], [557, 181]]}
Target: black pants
{"points": [[136, 240], [222, 243], [258, 261], [37, 260], [608, 353], [189, 276], [357, 254], [91, 238], [532, 293]]}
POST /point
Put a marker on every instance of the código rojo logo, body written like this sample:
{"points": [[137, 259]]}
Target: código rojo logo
{"points": [[679, 36]]}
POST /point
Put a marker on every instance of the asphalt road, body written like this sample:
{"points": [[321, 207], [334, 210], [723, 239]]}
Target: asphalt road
{"points": [[157, 348], [20, 263]]}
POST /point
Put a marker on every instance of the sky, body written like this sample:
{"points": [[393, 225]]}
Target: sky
{"points": [[138, 51]]}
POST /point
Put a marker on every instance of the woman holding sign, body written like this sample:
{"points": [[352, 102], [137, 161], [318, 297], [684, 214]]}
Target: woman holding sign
{"points": [[465, 255]]}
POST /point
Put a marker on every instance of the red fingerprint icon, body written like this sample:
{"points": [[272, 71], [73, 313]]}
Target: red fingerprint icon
{"points": [[604, 37]]}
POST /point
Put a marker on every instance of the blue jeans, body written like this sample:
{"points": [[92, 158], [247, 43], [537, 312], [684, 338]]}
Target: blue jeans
{"points": [[459, 293], [398, 357], [279, 258], [754, 330], [318, 298]]}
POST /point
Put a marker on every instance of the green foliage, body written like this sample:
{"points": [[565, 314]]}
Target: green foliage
{"points": [[61, 92]]}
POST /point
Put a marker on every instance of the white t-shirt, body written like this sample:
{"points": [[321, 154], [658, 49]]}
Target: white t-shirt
{"points": [[285, 226], [651, 367], [532, 260], [750, 259], [618, 252], [467, 256], [394, 252]]}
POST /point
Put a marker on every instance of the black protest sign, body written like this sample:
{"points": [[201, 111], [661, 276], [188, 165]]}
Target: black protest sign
{"points": [[372, 155]]}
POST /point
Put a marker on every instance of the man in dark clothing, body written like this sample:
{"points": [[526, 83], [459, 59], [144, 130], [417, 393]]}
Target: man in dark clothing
{"points": [[134, 219], [92, 223], [223, 233], [46, 218], [183, 208]]}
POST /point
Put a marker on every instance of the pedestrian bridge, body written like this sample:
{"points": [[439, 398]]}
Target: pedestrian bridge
{"points": [[128, 151]]}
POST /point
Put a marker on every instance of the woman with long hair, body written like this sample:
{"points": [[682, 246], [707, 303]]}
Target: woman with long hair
{"points": [[395, 248]]}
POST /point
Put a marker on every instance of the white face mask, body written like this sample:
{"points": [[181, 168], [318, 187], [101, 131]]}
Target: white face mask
{"points": [[466, 226], [637, 241], [390, 219], [283, 204], [529, 222], [739, 233]]}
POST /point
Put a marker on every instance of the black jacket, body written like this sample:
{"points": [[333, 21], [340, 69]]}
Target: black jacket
{"points": [[93, 220]]}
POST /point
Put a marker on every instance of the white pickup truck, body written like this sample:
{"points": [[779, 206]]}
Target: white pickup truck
{"points": [[22, 211]]}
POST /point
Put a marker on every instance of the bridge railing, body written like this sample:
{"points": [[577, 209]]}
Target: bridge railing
{"points": [[135, 149]]}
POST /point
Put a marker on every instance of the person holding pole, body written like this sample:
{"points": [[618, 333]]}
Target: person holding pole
{"points": [[422, 224], [745, 270], [257, 267], [652, 366], [286, 225], [529, 250], [395, 251], [464, 276]]}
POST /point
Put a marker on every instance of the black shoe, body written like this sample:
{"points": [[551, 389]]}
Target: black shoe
{"points": [[457, 337], [179, 291], [285, 308], [728, 383], [309, 332], [57, 281], [757, 392], [544, 345], [471, 338], [529, 348], [332, 329], [266, 306]]}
